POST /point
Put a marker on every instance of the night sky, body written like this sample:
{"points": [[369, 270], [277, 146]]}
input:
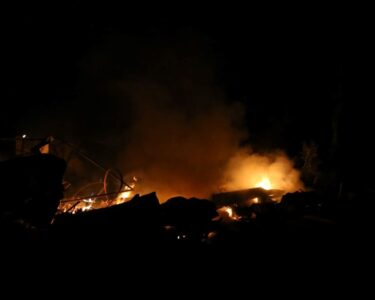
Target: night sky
{"points": [[291, 73]]}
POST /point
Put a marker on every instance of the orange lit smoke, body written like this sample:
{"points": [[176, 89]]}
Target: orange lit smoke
{"points": [[271, 171], [182, 131]]}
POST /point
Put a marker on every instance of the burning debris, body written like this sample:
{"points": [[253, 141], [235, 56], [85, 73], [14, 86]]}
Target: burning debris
{"points": [[268, 171], [109, 206], [245, 204], [227, 213], [136, 220], [84, 201], [247, 197]]}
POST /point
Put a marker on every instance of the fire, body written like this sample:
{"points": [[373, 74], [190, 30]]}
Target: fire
{"points": [[272, 171], [97, 201], [127, 193], [227, 213], [87, 204], [229, 210], [265, 184], [122, 197]]}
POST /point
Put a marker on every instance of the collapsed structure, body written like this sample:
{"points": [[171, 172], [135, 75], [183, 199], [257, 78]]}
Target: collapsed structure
{"points": [[33, 187]]}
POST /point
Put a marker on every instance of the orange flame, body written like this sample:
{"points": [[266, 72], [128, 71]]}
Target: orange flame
{"points": [[268, 171], [265, 184], [228, 213], [122, 197]]}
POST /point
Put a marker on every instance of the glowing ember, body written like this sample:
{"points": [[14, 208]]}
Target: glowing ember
{"points": [[127, 194], [256, 200], [96, 201], [88, 207], [265, 184], [122, 197], [229, 210], [227, 213]]}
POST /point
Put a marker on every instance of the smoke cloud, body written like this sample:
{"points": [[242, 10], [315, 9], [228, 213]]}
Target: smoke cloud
{"points": [[182, 131], [155, 108], [184, 136], [247, 169]]}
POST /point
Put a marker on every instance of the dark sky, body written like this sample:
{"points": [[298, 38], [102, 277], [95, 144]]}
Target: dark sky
{"points": [[287, 69]]}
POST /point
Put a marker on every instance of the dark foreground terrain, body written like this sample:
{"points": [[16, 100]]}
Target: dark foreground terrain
{"points": [[307, 229]]}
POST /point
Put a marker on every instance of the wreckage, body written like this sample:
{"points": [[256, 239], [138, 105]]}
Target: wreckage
{"points": [[35, 199], [31, 190], [37, 196]]}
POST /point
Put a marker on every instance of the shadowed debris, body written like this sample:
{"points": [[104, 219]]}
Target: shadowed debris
{"points": [[190, 218], [245, 197], [31, 188], [135, 221]]}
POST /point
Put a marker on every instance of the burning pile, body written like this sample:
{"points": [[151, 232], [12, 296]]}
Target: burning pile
{"points": [[83, 200], [111, 206], [249, 179], [268, 171]]}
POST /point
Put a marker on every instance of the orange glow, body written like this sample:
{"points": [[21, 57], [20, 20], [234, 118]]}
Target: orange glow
{"points": [[122, 197], [88, 207], [127, 193], [265, 184], [268, 171], [228, 214], [229, 210], [96, 201]]}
